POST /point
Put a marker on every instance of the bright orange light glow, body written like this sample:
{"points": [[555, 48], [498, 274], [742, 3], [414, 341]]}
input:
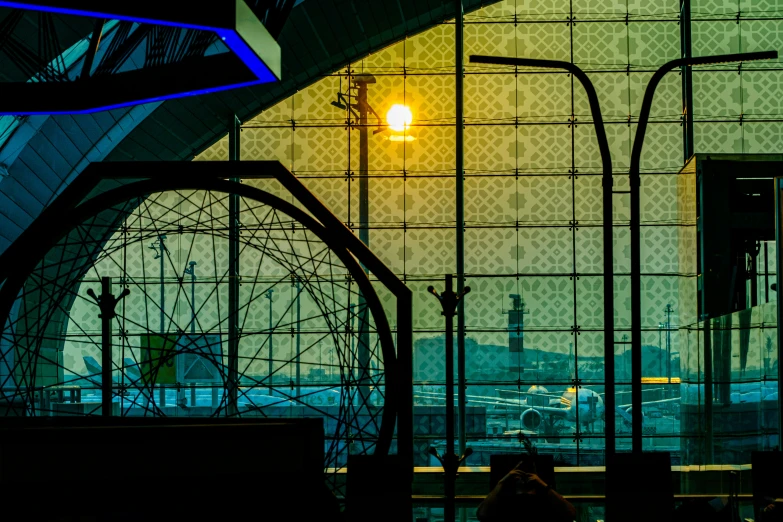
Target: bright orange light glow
{"points": [[399, 118]]}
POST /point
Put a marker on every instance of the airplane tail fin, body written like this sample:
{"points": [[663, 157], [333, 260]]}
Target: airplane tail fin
{"points": [[93, 371], [131, 368], [93, 367]]}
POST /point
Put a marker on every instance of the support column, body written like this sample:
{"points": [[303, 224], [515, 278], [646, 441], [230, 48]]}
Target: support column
{"points": [[106, 303], [449, 302], [233, 277], [779, 258], [363, 348], [106, 356], [460, 219], [687, 80]]}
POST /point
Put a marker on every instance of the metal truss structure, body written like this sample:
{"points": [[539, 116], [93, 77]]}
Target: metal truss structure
{"points": [[155, 52], [234, 303]]}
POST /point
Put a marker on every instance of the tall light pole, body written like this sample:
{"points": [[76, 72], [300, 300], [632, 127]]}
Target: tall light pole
{"points": [[364, 108], [399, 119], [608, 241], [361, 110]]}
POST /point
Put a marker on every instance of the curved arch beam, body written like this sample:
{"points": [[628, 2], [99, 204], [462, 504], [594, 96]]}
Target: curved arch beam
{"points": [[606, 161], [59, 219], [636, 249]]}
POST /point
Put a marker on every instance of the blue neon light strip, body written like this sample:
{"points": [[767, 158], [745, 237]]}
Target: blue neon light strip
{"points": [[230, 37]]}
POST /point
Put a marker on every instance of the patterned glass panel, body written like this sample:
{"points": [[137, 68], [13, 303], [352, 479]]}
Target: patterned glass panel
{"points": [[533, 237]]}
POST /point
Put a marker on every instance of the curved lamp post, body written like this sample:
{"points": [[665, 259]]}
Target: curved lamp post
{"points": [[636, 295], [606, 161]]}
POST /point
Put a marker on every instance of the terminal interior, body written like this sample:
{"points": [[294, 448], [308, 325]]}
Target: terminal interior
{"points": [[317, 333]]}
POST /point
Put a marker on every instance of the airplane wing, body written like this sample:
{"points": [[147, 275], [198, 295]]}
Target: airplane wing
{"points": [[629, 391], [473, 398], [549, 410], [645, 403], [531, 394], [472, 401], [495, 401]]}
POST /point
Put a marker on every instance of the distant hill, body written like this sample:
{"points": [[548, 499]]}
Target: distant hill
{"points": [[486, 362]]}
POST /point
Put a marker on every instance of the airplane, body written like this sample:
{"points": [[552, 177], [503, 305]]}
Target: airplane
{"points": [[130, 368], [583, 405], [741, 392]]}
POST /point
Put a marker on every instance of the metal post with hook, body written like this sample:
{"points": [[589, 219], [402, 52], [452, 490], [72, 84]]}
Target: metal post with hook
{"points": [[450, 461], [106, 303]]}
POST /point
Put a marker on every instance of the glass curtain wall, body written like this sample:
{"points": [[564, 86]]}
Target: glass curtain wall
{"points": [[533, 206]]}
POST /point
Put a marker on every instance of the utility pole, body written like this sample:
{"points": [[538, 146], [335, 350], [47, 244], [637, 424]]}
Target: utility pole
{"points": [[363, 106], [106, 303]]}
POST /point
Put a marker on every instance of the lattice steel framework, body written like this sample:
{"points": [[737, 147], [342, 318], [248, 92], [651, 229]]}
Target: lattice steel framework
{"points": [[299, 308]]}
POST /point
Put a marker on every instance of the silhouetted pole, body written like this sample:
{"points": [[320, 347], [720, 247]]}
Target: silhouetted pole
{"points": [[779, 299], [460, 218], [106, 303], [450, 461], [233, 277], [363, 349]]}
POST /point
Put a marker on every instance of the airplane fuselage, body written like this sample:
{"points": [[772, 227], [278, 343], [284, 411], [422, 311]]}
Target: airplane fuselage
{"points": [[583, 406]]}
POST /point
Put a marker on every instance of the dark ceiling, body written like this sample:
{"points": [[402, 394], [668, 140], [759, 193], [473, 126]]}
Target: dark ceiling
{"points": [[319, 37], [22, 28]]}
